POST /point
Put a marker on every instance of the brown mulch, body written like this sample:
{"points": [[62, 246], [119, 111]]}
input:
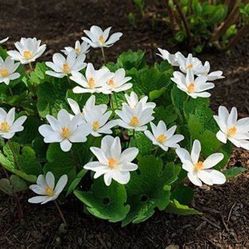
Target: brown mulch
{"points": [[225, 223]]}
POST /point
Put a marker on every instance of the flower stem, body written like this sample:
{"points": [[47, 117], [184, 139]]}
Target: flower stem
{"points": [[103, 54], [10, 91], [30, 66], [60, 212]]}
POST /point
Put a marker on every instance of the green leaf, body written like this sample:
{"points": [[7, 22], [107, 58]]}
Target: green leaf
{"points": [[183, 194], [167, 114], [60, 163], [130, 59], [176, 208], [76, 181], [12, 185], [38, 75], [147, 189], [20, 161], [142, 143], [108, 203], [233, 172], [51, 97], [155, 94]]}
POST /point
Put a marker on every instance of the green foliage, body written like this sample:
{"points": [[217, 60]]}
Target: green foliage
{"points": [[149, 188], [12, 185], [104, 202], [234, 171]]}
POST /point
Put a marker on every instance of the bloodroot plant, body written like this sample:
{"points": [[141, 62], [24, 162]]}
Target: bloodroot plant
{"points": [[126, 139]]}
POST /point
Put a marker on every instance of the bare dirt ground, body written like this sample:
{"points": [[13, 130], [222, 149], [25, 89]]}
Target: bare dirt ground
{"points": [[225, 223]]}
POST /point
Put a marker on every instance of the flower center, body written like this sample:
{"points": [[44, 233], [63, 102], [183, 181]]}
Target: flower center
{"points": [[199, 166], [111, 83], [191, 87], [27, 54], [232, 131], [91, 82], [66, 68], [189, 66], [161, 139], [4, 127], [134, 121], [4, 72], [49, 191], [101, 40], [65, 132], [95, 125], [112, 163]]}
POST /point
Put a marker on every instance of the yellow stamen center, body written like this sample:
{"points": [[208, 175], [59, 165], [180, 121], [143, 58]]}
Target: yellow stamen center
{"points": [[49, 191], [27, 54], [111, 83], [4, 72], [134, 121], [65, 132], [161, 139], [191, 87], [91, 82], [232, 131], [189, 66], [199, 166], [4, 127], [95, 125], [101, 39], [66, 68], [112, 163]]}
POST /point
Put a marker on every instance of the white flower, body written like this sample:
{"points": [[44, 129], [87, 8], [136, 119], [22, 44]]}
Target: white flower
{"points": [[7, 70], [205, 70], [200, 171], [8, 125], [112, 162], [79, 48], [236, 131], [194, 87], [171, 58], [134, 118], [64, 130], [62, 66], [93, 81], [118, 82], [4, 40], [98, 38], [164, 137], [46, 189], [29, 49], [98, 121], [133, 100], [89, 106], [189, 63]]}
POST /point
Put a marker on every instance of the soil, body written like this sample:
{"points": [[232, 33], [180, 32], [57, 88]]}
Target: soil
{"points": [[225, 223]]}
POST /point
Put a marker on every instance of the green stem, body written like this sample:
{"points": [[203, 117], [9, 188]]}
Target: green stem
{"points": [[30, 66], [103, 54]]}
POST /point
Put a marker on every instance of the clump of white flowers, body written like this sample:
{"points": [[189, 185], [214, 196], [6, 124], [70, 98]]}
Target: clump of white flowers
{"points": [[122, 117]]}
